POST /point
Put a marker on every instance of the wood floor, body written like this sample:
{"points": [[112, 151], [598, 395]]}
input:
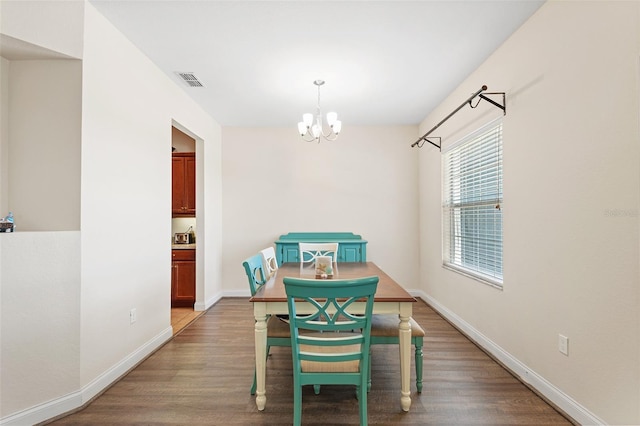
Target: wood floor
{"points": [[203, 375], [182, 317]]}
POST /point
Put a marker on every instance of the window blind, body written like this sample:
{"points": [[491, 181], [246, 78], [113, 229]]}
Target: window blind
{"points": [[472, 198]]}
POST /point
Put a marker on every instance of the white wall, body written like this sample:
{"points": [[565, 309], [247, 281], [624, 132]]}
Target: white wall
{"points": [[128, 108], [40, 271], [53, 25], [40, 295], [571, 207], [44, 144], [365, 182]]}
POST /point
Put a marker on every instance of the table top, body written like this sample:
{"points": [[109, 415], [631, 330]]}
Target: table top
{"points": [[388, 290]]}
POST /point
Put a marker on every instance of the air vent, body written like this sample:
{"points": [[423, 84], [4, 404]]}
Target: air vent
{"points": [[190, 79]]}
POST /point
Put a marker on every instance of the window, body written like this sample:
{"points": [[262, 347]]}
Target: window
{"points": [[472, 198]]}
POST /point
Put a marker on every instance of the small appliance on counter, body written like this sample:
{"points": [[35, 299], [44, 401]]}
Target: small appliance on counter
{"points": [[181, 238], [188, 237]]}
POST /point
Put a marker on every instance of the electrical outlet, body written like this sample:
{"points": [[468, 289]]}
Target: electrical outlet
{"points": [[133, 315], [563, 344]]}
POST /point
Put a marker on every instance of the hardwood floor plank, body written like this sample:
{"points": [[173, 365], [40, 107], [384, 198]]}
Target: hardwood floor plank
{"points": [[203, 375], [182, 317]]}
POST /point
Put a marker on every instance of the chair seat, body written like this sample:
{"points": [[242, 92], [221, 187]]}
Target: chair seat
{"points": [[277, 328], [329, 367], [383, 325], [384, 331]]}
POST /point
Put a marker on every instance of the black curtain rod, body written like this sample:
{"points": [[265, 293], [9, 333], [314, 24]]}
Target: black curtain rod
{"points": [[468, 101]]}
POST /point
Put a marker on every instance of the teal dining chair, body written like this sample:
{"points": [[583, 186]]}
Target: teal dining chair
{"points": [[277, 330], [329, 344]]}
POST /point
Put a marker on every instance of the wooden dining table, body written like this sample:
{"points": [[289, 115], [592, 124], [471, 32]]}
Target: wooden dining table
{"points": [[390, 298]]}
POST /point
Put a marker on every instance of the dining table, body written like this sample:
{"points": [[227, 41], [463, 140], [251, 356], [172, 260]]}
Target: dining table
{"points": [[390, 298]]}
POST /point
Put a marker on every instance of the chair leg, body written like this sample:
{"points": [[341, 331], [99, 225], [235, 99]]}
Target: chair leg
{"points": [[419, 357], [297, 405], [254, 386], [369, 373], [362, 404], [316, 389]]}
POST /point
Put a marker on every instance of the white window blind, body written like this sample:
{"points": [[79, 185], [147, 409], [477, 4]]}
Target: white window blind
{"points": [[472, 198]]}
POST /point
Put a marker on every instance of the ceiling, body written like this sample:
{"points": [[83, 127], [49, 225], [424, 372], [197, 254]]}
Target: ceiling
{"points": [[384, 62]]}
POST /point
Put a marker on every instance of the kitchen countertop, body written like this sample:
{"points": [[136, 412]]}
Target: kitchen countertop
{"points": [[183, 246]]}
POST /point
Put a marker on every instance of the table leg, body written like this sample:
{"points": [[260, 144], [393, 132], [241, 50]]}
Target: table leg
{"points": [[404, 330], [259, 311]]}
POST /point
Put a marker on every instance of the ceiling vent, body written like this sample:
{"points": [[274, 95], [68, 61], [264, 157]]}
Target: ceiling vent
{"points": [[190, 79]]}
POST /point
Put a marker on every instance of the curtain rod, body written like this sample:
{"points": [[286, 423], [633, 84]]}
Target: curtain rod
{"points": [[468, 101]]}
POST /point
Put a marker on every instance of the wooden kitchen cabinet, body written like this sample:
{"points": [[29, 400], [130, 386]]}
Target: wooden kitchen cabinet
{"points": [[183, 167], [183, 277]]}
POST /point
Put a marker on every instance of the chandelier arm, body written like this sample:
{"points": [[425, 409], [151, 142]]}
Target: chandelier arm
{"points": [[304, 137], [329, 135]]}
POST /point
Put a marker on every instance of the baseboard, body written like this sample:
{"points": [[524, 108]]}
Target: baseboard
{"points": [[46, 411], [237, 293], [67, 403], [109, 377], [200, 306], [212, 301], [525, 374]]}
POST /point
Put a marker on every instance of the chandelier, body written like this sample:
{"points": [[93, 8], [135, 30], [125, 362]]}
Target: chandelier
{"points": [[311, 131]]}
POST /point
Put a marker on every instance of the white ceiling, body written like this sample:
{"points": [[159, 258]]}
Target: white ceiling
{"points": [[384, 62]]}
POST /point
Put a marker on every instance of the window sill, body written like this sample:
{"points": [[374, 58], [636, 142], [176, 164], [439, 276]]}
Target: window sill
{"points": [[492, 282]]}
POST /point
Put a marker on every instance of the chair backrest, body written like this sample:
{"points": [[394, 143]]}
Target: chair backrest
{"points": [[270, 262], [329, 308], [254, 268], [309, 252]]}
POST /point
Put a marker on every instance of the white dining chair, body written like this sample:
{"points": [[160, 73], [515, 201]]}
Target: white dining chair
{"points": [[310, 251], [269, 261]]}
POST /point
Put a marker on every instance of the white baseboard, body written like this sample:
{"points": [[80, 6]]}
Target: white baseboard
{"points": [[199, 306], [42, 412], [114, 373], [215, 299], [237, 293], [563, 401], [66, 403]]}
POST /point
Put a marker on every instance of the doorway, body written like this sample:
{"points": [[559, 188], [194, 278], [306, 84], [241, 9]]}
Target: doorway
{"points": [[183, 228]]}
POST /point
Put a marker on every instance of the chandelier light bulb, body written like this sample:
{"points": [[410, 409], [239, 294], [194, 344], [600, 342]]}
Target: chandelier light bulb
{"points": [[302, 128], [332, 117], [307, 119], [315, 131]]}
